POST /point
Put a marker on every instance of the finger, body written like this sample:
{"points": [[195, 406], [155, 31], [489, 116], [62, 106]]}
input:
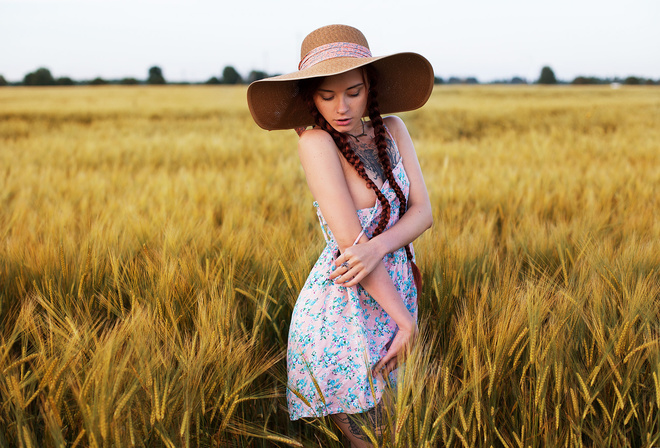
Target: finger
{"points": [[355, 280], [345, 274], [344, 256], [389, 366], [343, 280], [340, 270], [392, 365], [384, 360]]}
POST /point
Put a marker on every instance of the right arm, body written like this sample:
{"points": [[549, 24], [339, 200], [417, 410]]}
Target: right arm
{"points": [[325, 177]]}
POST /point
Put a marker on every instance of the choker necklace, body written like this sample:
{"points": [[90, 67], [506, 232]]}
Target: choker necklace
{"points": [[356, 137]]}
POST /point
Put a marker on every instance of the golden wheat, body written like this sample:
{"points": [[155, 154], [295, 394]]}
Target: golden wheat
{"points": [[153, 242]]}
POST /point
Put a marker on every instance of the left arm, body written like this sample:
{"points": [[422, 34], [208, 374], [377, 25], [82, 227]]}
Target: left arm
{"points": [[365, 256], [418, 218]]}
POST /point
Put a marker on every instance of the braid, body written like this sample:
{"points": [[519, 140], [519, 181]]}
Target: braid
{"points": [[341, 140], [380, 137], [307, 88], [381, 143]]}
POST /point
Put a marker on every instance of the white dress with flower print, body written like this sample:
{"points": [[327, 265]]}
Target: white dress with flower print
{"points": [[338, 334]]}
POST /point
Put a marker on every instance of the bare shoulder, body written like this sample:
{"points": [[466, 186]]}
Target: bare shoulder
{"points": [[316, 148], [401, 136], [419, 196], [313, 138], [396, 126]]}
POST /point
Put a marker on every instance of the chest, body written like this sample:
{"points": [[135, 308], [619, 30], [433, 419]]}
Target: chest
{"points": [[363, 195]]}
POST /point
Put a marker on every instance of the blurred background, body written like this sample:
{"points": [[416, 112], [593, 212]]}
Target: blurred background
{"points": [[153, 240], [202, 41]]}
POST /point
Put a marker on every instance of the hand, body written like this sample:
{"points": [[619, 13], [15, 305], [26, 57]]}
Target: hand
{"points": [[355, 264], [399, 349]]}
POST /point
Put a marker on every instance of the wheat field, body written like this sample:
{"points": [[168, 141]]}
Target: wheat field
{"points": [[153, 241]]}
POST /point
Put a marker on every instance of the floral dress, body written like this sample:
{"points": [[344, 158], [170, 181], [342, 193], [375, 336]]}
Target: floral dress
{"points": [[339, 333]]}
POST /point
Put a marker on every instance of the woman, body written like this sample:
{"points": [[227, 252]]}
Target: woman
{"points": [[356, 314]]}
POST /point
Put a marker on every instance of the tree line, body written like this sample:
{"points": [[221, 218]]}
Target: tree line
{"points": [[43, 77], [547, 77]]}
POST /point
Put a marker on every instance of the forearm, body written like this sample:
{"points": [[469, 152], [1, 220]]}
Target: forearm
{"points": [[380, 286], [411, 225], [363, 258]]}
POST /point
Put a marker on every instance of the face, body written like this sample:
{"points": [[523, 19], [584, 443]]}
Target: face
{"points": [[342, 100]]}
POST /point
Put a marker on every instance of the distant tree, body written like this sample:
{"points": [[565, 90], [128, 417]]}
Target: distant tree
{"points": [[648, 82], [437, 80], [632, 80], [3, 81], [231, 76], [98, 81], [547, 76], [212, 81], [468, 80], [64, 81], [129, 81], [518, 80], [256, 75], [585, 80], [39, 77], [155, 76]]}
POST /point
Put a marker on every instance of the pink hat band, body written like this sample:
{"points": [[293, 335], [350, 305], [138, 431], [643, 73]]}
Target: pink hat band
{"points": [[333, 50]]}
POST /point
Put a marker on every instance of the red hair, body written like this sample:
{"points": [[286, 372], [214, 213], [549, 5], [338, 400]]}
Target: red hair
{"points": [[308, 88]]}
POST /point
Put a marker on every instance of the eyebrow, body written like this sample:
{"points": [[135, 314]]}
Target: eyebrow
{"points": [[352, 87]]}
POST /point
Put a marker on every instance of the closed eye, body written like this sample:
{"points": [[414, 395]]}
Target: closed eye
{"points": [[356, 93]]}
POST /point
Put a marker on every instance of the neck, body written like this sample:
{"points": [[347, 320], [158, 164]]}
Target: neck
{"points": [[363, 134]]}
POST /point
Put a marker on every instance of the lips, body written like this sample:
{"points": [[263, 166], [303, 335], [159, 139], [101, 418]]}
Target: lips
{"points": [[343, 122]]}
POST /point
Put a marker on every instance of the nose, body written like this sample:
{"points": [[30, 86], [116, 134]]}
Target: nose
{"points": [[342, 104]]}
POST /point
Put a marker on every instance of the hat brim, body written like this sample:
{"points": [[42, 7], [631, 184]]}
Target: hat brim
{"points": [[405, 82]]}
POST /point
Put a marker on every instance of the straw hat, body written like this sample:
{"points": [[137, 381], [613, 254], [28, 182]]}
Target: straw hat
{"points": [[405, 80]]}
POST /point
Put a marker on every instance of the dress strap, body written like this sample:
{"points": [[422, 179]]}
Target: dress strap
{"points": [[322, 222], [389, 133], [323, 226], [396, 147]]}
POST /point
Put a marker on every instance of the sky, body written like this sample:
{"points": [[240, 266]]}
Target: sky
{"points": [[192, 40]]}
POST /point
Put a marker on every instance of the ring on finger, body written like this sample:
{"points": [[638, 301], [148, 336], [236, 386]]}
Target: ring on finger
{"points": [[344, 265]]}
